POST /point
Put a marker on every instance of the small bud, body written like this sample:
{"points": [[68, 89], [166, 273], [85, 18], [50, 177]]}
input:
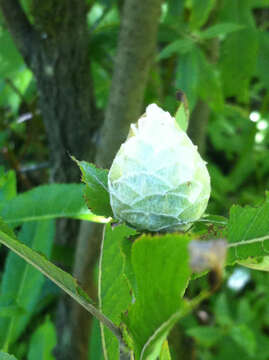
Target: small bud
{"points": [[158, 181]]}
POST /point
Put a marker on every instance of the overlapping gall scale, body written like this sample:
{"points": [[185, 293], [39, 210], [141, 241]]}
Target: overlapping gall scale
{"points": [[158, 181]]}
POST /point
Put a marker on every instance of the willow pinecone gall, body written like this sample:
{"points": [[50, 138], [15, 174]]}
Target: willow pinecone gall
{"points": [[158, 181]]}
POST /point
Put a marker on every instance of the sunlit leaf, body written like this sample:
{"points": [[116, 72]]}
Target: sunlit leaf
{"points": [[114, 291], [220, 29], [96, 192], [6, 356], [248, 232], [160, 266], [21, 283], [48, 202]]}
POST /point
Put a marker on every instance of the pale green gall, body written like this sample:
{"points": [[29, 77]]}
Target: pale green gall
{"points": [[158, 180]]}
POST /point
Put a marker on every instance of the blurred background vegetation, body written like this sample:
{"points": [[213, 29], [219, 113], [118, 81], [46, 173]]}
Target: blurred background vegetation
{"points": [[73, 75]]}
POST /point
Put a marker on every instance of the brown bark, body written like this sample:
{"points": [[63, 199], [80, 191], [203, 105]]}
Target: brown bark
{"points": [[57, 51], [56, 48], [137, 42], [62, 70]]}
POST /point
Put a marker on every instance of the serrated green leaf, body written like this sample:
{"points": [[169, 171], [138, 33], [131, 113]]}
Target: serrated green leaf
{"points": [[43, 342], [182, 114], [200, 12], [114, 291], [61, 278], [96, 192], [6, 356], [248, 233], [220, 29], [239, 50], [21, 283], [181, 46], [48, 202], [160, 265]]}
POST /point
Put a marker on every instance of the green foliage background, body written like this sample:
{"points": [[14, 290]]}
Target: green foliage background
{"points": [[218, 54]]}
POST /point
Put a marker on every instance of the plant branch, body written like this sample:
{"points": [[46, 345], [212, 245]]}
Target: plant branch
{"points": [[19, 27], [137, 42]]}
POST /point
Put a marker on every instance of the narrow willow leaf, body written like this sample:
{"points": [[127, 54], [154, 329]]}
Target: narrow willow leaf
{"points": [[48, 202], [181, 46], [43, 342], [95, 350], [61, 278], [6, 356], [114, 291], [187, 76], [96, 192], [160, 265], [248, 233], [182, 114], [261, 264], [220, 29], [21, 283], [209, 85], [239, 50], [200, 12], [214, 219]]}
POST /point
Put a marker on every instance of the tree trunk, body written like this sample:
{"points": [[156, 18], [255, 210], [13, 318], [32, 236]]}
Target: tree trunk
{"points": [[56, 49], [62, 68]]}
